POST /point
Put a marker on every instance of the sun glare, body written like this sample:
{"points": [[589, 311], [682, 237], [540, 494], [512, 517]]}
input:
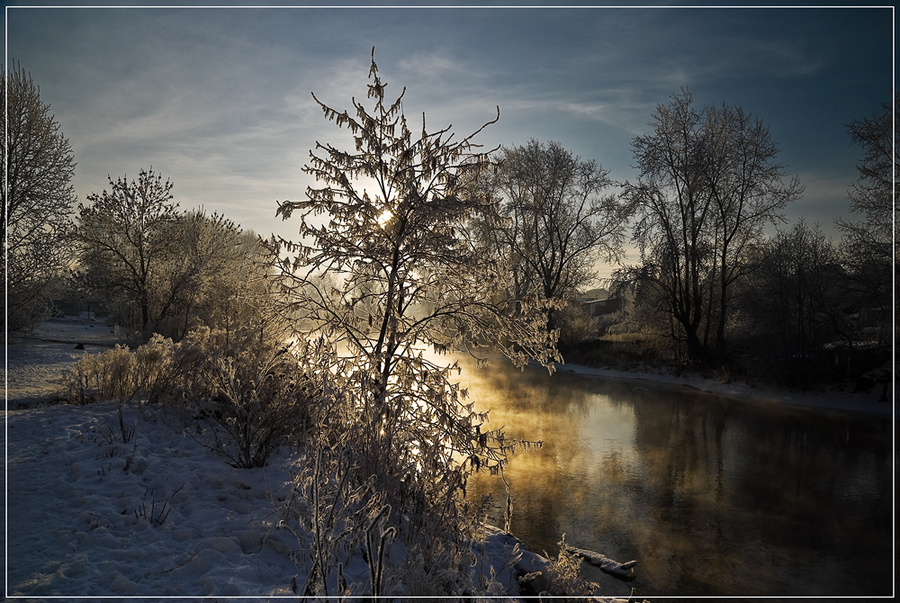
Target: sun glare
{"points": [[385, 217]]}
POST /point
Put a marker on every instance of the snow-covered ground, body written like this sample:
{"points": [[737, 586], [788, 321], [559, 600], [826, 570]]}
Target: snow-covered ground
{"points": [[89, 515], [37, 358]]}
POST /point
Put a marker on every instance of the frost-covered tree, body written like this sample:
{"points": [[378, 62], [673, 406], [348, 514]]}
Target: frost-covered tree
{"points": [[386, 266], [390, 229], [559, 219], [38, 198], [125, 235], [709, 183], [868, 242], [173, 271], [218, 279]]}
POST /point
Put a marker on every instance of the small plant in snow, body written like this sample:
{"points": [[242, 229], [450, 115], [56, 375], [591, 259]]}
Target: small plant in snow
{"points": [[335, 518], [126, 433], [250, 391], [155, 515], [562, 577]]}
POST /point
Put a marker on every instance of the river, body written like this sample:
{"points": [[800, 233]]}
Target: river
{"points": [[711, 495]]}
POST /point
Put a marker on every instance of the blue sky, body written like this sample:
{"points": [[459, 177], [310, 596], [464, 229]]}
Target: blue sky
{"points": [[218, 99]]}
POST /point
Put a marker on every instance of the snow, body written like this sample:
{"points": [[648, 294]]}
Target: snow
{"points": [[89, 515], [831, 399], [36, 359]]}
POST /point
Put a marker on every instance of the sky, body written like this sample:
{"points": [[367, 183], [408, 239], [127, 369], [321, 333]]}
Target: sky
{"points": [[218, 100]]}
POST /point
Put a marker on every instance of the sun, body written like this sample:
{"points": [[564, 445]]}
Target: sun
{"points": [[385, 217]]}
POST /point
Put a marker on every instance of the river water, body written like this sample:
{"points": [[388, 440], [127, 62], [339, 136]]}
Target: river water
{"points": [[711, 496]]}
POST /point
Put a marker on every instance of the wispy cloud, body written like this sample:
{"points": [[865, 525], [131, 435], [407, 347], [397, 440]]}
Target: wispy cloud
{"points": [[219, 99]]}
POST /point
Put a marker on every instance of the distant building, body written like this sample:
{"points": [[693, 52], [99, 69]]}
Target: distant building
{"points": [[600, 303]]}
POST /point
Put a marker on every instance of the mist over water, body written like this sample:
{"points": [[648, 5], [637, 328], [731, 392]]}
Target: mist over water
{"points": [[712, 496]]}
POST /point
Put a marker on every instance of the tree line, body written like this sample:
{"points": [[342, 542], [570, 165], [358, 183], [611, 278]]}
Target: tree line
{"points": [[710, 188], [724, 291]]}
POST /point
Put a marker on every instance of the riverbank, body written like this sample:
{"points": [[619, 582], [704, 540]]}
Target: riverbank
{"points": [[712, 494], [826, 399], [37, 358]]}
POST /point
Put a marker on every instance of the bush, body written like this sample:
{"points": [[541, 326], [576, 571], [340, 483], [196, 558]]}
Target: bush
{"points": [[251, 395], [254, 395], [576, 326], [153, 370], [106, 376]]}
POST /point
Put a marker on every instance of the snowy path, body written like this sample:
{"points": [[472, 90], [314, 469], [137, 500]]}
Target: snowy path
{"points": [[36, 359]]}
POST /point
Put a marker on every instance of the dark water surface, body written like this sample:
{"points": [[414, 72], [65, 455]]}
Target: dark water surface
{"points": [[711, 495]]}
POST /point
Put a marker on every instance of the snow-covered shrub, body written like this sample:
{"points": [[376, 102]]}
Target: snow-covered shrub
{"points": [[99, 377], [336, 519], [122, 374], [392, 496], [252, 396], [153, 370]]}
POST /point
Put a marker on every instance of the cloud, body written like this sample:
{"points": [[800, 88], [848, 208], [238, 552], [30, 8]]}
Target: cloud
{"points": [[435, 64], [220, 98]]}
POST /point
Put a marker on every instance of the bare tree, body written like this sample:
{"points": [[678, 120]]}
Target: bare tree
{"points": [[871, 195], [126, 239], [868, 243], [559, 220], [38, 198], [795, 298], [745, 183], [405, 271], [709, 183]]}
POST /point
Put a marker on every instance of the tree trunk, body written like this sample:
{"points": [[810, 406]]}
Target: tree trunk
{"points": [[145, 313], [696, 350]]}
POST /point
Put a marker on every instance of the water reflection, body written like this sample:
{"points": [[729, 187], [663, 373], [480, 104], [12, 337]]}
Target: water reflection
{"points": [[711, 496]]}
